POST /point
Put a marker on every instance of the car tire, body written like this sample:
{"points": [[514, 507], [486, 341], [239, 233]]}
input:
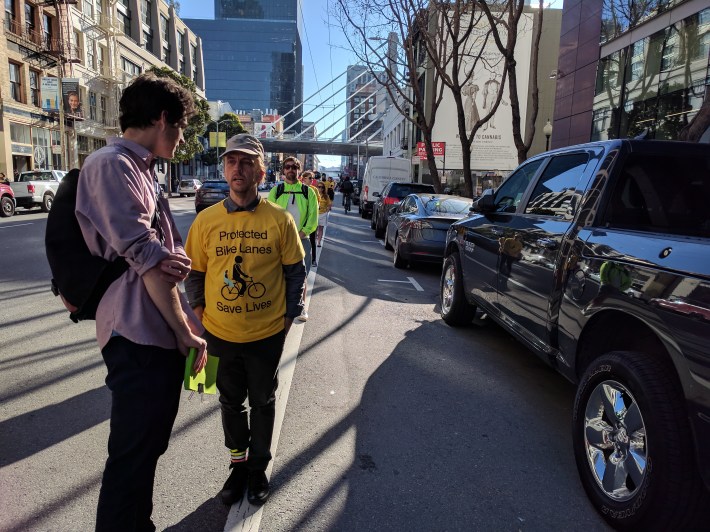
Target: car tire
{"points": [[455, 310], [397, 259], [379, 230], [182, 195], [388, 246], [372, 219], [7, 207], [629, 411], [47, 201]]}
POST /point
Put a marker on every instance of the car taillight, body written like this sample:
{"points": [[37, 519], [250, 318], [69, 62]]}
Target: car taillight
{"points": [[391, 201], [30, 188]]}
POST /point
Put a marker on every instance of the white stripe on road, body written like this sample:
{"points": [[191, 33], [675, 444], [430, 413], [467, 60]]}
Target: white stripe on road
{"points": [[16, 225], [410, 280]]}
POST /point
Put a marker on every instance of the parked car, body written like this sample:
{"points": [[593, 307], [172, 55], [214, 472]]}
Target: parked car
{"points": [[7, 200], [189, 187], [211, 192], [36, 188], [600, 264], [392, 194], [418, 225]]}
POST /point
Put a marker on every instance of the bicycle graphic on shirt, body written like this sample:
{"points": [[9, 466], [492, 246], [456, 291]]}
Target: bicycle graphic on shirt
{"points": [[241, 283]]}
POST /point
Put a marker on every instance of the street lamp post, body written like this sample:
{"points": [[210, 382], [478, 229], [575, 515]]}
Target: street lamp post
{"points": [[547, 130]]}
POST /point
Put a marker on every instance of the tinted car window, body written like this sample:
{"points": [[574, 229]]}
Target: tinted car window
{"points": [[556, 191], [434, 205], [400, 190], [510, 193], [662, 194]]}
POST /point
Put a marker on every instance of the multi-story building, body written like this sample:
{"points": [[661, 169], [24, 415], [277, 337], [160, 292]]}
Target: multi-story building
{"points": [[95, 47], [633, 67], [253, 55]]}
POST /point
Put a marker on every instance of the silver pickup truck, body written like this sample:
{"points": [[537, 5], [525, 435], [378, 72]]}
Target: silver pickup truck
{"points": [[36, 188]]}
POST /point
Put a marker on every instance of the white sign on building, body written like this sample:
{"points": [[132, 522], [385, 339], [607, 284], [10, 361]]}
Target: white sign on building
{"points": [[493, 146]]}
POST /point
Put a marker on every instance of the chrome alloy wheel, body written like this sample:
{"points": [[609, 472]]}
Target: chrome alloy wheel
{"points": [[447, 289], [615, 440]]}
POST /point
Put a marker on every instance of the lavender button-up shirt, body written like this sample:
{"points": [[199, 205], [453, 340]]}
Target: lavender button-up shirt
{"points": [[115, 204]]}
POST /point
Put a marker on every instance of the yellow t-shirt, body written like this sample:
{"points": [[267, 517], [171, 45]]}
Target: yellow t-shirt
{"points": [[323, 203], [265, 239]]}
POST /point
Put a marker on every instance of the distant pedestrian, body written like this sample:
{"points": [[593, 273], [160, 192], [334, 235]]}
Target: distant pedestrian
{"points": [[303, 208], [307, 178], [246, 330], [324, 206], [330, 185], [144, 325]]}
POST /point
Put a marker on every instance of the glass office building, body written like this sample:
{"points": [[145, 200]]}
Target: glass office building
{"points": [[253, 56], [633, 67]]}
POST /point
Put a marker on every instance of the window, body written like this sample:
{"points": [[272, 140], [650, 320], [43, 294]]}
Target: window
{"points": [[180, 41], [30, 19], [129, 67], [148, 40], [101, 61], [15, 82], [10, 16], [90, 55], [662, 193], [20, 133], [146, 11], [166, 53], [48, 36], [34, 88], [103, 109], [509, 194], [92, 105], [87, 7], [164, 28], [82, 143], [181, 67], [556, 193]]}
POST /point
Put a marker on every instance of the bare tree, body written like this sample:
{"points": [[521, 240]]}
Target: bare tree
{"points": [[458, 46], [504, 19], [400, 69]]}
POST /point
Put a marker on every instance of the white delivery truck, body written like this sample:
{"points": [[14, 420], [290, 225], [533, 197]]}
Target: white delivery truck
{"points": [[379, 171]]}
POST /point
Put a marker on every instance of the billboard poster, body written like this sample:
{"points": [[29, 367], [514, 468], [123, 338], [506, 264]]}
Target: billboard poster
{"points": [[71, 97], [49, 92], [493, 146]]}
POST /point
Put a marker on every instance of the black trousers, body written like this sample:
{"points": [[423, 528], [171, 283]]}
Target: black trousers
{"points": [[312, 237], [248, 371], [145, 383]]}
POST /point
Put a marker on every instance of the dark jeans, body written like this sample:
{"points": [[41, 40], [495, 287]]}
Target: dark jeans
{"points": [[248, 370], [312, 238], [145, 384]]}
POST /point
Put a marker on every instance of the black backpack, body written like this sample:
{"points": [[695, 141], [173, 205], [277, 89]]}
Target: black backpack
{"points": [[79, 276], [280, 190]]}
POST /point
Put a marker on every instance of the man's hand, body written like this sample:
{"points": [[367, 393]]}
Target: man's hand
{"points": [[175, 268], [190, 340], [69, 306], [302, 235], [199, 311]]}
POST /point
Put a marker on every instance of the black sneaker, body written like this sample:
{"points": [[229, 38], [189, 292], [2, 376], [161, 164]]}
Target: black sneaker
{"points": [[233, 490], [257, 488]]}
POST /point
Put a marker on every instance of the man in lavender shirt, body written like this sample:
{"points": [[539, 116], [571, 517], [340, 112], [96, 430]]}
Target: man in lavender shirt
{"points": [[144, 325]]}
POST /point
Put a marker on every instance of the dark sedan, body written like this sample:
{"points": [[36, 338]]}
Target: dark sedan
{"points": [[211, 192], [418, 224]]}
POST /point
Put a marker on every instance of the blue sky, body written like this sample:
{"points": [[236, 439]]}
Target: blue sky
{"points": [[325, 56]]}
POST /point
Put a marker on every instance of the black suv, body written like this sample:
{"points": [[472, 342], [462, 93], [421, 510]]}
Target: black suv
{"points": [[392, 194], [211, 192], [597, 257]]}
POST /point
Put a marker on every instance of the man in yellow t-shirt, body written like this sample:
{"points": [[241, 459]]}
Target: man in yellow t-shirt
{"points": [[245, 285]]}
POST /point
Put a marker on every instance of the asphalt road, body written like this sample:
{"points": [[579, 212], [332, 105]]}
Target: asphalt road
{"points": [[388, 419]]}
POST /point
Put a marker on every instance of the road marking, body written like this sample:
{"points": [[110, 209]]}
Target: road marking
{"points": [[410, 280], [370, 241], [16, 225]]}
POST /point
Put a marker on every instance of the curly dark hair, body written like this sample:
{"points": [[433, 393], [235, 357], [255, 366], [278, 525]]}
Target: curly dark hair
{"points": [[144, 100]]}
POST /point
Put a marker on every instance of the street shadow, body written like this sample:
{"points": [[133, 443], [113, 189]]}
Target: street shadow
{"points": [[24, 435], [449, 438], [210, 516]]}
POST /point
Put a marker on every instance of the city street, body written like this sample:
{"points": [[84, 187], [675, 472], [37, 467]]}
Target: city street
{"points": [[387, 418]]}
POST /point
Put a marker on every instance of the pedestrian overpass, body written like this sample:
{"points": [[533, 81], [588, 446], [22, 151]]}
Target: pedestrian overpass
{"points": [[320, 147]]}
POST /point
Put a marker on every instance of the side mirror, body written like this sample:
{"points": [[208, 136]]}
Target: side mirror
{"points": [[393, 209], [486, 203], [375, 194]]}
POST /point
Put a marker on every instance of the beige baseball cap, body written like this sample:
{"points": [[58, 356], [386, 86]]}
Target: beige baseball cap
{"points": [[244, 143]]}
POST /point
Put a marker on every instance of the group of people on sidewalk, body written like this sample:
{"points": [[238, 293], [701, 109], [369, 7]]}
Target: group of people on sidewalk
{"points": [[244, 264]]}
